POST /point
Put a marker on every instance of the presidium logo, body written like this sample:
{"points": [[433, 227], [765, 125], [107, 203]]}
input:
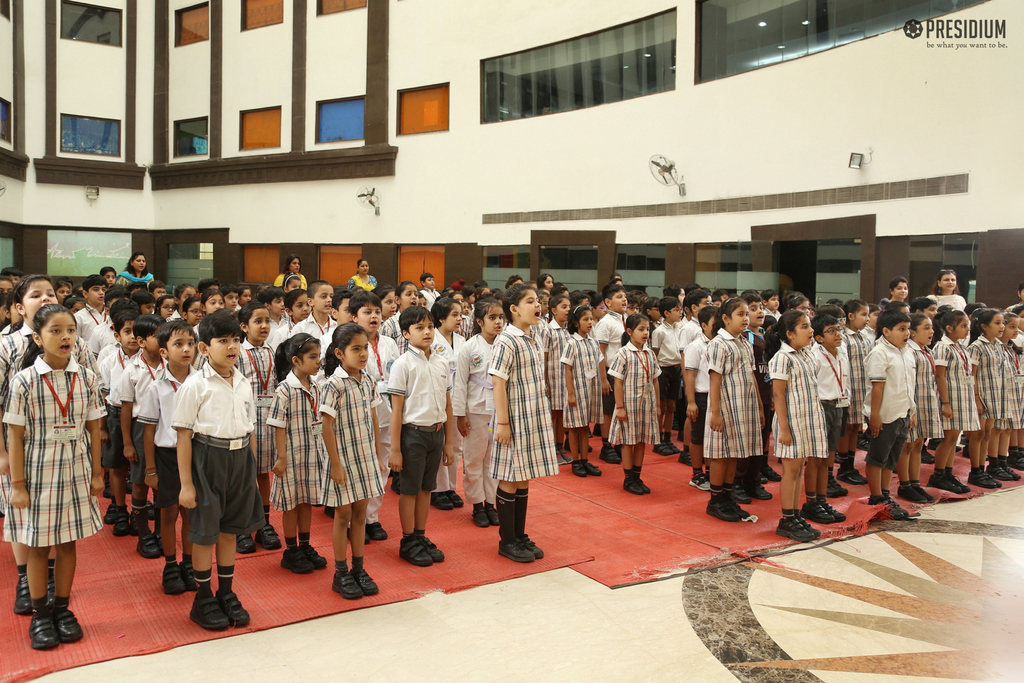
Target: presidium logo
{"points": [[982, 33]]}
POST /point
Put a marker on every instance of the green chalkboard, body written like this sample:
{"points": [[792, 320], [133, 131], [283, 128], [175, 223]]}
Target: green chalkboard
{"points": [[79, 253]]}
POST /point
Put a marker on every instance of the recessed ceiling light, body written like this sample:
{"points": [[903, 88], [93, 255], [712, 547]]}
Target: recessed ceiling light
{"points": [[647, 54], [782, 47], [762, 24], [804, 22]]}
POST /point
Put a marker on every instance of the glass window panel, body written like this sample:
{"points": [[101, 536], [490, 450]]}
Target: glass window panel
{"points": [[191, 137], [84, 135], [340, 120], [932, 253], [741, 35], [838, 270], [423, 110], [613, 65], [573, 266], [6, 252], [331, 6], [192, 25], [5, 120], [261, 128], [189, 262], [500, 263], [257, 13], [642, 266], [90, 24]]}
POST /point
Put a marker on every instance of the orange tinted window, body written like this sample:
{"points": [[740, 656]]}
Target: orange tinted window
{"points": [[258, 13], [338, 263], [261, 262], [414, 261], [261, 128], [193, 25], [331, 6], [422, 111]]}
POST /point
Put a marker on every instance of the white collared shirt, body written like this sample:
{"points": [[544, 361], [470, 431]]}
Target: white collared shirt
{"points": [[429, 296], [898, 369], [156, 406], [137, 377], [609, 331], [425, 384], [89, 319], [473, 387], [665, 338], [283, 331], [208, 404], [111, 369], [689, 332], [833, 373], [312, 327], [102, 337], [696, 357], [85, 387]]}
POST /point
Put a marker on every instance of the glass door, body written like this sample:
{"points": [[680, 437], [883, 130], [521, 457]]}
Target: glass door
{"points": [[838, 270]]}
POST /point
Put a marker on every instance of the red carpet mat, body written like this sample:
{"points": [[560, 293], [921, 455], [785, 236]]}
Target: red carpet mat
{"points": [[590, 524]]}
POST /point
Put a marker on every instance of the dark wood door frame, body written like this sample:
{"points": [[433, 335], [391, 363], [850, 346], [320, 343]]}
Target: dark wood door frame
{"points": [[604, 239]]}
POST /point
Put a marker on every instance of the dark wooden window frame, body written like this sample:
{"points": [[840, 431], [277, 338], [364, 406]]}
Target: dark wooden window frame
{"points": [[10, 121], [398, 106], [177, 23], [175, 133], [339, 99], [320, 9], [94, 118], [120, 14], [244, 4], [241, 127], [5, 9]]}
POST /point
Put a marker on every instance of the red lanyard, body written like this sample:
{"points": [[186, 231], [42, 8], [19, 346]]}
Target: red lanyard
{"points": [[646, 364], [376, 357], [1013, 357], [928, 354], [839, 375], [71, 392], [313, 403], [120, 358], [146, 365], [322, 330], [256, 368], [963, 356], [98, 322]]}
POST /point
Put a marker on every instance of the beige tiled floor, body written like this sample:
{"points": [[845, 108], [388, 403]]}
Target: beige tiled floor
{"points": [[563, 626]]}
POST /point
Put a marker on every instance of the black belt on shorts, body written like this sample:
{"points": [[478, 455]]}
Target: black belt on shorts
{"points": [[229, 444], [430, 428], [834, 402]]}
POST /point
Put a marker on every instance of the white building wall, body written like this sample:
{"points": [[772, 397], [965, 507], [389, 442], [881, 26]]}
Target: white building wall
{"points": [[189, 83], [335, 65], [7, 75]]}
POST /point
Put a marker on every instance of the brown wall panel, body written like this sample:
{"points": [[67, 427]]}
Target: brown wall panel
{"points": [[1000, 253], [310, 255], [604, 239], [680, 268], [383, 260], [33, 257], [892, 260], [462, 261]]}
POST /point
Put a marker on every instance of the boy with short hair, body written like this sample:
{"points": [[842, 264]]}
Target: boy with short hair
{"points": [[145, 368], [230, 293], [698, 386], [145, 301], [923, 304], [273, 299], [214, 414], [608, 333], [296, 303], [205, 284], [889, 405], [157, 288], [341, 302], [94, 314], [694, 301], [427, 290], [665, 343], [770, 302], [319, 323], [420, 386], [176, 342], [104, 339]]}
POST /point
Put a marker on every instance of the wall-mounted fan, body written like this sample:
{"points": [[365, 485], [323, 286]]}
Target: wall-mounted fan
{"points": [[3, 188], [370, 198], [664, 171]]}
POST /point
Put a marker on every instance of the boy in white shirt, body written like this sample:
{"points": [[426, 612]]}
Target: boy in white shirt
{"points": [[93, 315], [608, 333], [665, 343]]}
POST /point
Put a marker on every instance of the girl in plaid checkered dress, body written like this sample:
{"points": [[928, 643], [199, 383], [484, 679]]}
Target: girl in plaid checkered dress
{"points": [[1014, 397], [799, 424], [353, 472], [636, 372], [256, 363], [735, 415], [407, 295], [929, 419], [54, 417], [857, 347], [954, 377], [554, 370], [524, 445], [586, 380], [295, 418], [989, 389]]}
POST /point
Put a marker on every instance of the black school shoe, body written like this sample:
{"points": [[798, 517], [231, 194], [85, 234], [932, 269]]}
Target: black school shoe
{"points": [[610, 454], [43, 633], [515, 551], [1016, 461], [480, 518], [366, 584], [664, 449], [316, 559], [578, 469], [295, 561], [22, 597], [441, 501], [268, 538], [345, 585], [233, 610], [790, 527], [909, 493], [684, 458], [172, 580], [996, 470], [208, 613], [723, 510], [111, 514], [768, 473], [928, 498], [851, 476], [739, 494], [133, 528], [435, 553], [643, 486], [244, 544], [591, 468], [984, 480], [938, 481], [456, 500], [492, 514], [837, 516], [122, 523], [815, 512], [835, 490], [188, 576], [895, 511], [756, 491], [414, 552], [375, 532], [148, 547], [633, 486], [525, 542]]}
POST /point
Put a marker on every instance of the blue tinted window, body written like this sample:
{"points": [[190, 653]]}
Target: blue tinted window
{"points": [[90, 136], [340, 120], [5, 120]]}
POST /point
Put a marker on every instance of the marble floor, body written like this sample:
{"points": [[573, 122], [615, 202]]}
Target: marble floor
{"points": [[938, 599]]}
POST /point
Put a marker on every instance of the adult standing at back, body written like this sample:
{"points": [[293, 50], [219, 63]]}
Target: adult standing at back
{"points": [[945, 291], [135, 271], [362, 279], [899, 290], [292, 264]]}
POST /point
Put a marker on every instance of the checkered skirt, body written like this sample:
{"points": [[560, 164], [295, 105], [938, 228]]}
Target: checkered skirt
{"points": [[557, 338], [584, 356], [991, 376], [639, 398], [803, 407], [926, 396], [961, 394], [305, 452], [857, 347], [350, 403], [741, 434], [263, 446], [1014, 390]]}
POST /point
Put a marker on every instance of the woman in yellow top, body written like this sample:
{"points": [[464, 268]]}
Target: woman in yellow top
{"points": [[362, 278], [292, 264]]}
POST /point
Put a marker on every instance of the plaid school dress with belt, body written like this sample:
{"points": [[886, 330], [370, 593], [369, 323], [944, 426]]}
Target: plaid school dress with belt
{"points": [[733, 358], [351, 403], [926, 396], [583, 355], [54, 406], [296, 409], [804, 413], [959, 385], [638, 369], [857, 347], [990, 377], [256, 363], [1014, 390], [557, 338]]}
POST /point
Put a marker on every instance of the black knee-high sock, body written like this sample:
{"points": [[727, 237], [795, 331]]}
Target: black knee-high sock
{"points": [[506, 506], [203, 579], [522, 497], [22, 570], [51, 564], [225, 578], [41, 606], [141, 518], [266, 514]]}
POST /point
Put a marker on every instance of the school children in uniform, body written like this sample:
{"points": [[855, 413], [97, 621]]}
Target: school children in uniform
{"points": [[689, 330], [427, 291], [365, 308], [665, 343], [636, 373], [524, 445], [473, 408], [832, 368], [799, 425], [735, 413], [214, 415], [929, 418], [256, 363], [608, 333], [697, 384], [990, 392], [319, 323], [406, 295], [54, 417], [420, 388], [857, 347], [447, 313], [889, 405], [177, 344], [555, 341], [954, 376], [294, 416], [296, 303], [273, 299], [749, 471], [94, 315], [998, 465], [586, 381]]}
